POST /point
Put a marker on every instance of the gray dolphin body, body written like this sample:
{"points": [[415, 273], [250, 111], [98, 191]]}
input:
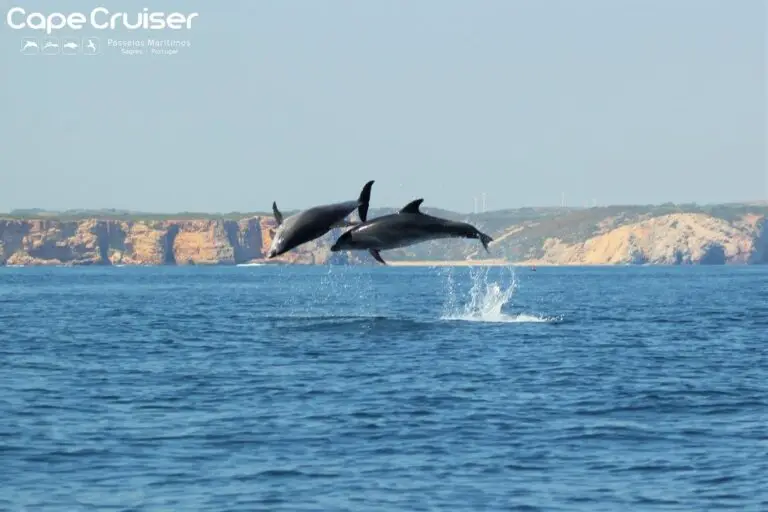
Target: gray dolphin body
{"points": [[407, 227], [312, 223]]}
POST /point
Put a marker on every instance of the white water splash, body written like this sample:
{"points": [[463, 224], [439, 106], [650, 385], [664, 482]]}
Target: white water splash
{"points": [[486, 298]]}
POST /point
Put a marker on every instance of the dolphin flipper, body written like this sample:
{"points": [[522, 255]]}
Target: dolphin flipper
{"points": [[363, 200], [377, 256], [276, 213]]}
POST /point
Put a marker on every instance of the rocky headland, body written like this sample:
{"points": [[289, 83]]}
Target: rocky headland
{"points": [[656, 235]]}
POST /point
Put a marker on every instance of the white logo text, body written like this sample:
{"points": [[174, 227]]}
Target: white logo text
{"points": [[100, 18]]}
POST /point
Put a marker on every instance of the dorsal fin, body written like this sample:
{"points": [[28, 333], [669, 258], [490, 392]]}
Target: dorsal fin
{"points": [[363, 200], [412, 207], [276, 213]]}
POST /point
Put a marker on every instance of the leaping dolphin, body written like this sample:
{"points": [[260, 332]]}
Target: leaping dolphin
{"points": [[408, 226], [314, 222]]}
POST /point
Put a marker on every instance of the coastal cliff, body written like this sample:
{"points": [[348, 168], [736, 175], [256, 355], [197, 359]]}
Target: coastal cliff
{"points": [[91, 241], [595, 236], [676, 239]]}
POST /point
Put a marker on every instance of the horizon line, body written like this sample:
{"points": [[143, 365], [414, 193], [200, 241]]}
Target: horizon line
{"points": [[127, 212]]}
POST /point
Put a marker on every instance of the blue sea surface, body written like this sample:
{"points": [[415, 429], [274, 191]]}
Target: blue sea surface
{"points": [[330, 388]]}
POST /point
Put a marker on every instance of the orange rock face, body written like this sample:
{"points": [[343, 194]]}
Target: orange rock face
{"points": [[683, 238], [51, 242]]}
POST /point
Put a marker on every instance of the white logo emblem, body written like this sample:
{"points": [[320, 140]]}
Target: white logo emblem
{"points": [[51, 46], [70, 46], [99, 18], [29, 46], [91, 46]]}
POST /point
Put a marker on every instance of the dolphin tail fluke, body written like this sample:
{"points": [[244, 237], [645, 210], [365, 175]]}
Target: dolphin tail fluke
{"points": [[364, 200], [485, 240], [377, 256]]}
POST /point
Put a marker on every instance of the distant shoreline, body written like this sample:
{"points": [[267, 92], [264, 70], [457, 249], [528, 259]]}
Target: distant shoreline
{"points": [[452, 263], [526, 238], [414, 264]]}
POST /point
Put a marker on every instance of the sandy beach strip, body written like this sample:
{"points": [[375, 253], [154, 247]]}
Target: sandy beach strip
{"points": [[452, 263]]}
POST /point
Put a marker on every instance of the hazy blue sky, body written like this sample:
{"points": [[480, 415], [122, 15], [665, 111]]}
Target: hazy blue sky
{"points": [[304, 101]]}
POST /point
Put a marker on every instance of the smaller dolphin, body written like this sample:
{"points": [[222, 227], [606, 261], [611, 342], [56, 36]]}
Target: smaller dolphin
{"points": [[307, 225], [408, 226]]}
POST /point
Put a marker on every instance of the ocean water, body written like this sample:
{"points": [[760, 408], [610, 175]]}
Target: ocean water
{"points": [[371, 388]]}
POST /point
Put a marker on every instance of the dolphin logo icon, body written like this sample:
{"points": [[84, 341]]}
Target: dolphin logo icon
{"points": [[70, 47], [29, 46]]}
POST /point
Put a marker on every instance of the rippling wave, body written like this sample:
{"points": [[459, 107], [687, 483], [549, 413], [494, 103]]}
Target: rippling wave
{"points": [[371, 388]]}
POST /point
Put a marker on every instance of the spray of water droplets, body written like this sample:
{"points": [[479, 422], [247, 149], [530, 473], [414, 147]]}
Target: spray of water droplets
{"points": [[477, 298]]}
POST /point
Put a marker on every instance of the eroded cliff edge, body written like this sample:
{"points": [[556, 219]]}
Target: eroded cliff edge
{"points": [[675, 239], [105, 242], [584, 237]]}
